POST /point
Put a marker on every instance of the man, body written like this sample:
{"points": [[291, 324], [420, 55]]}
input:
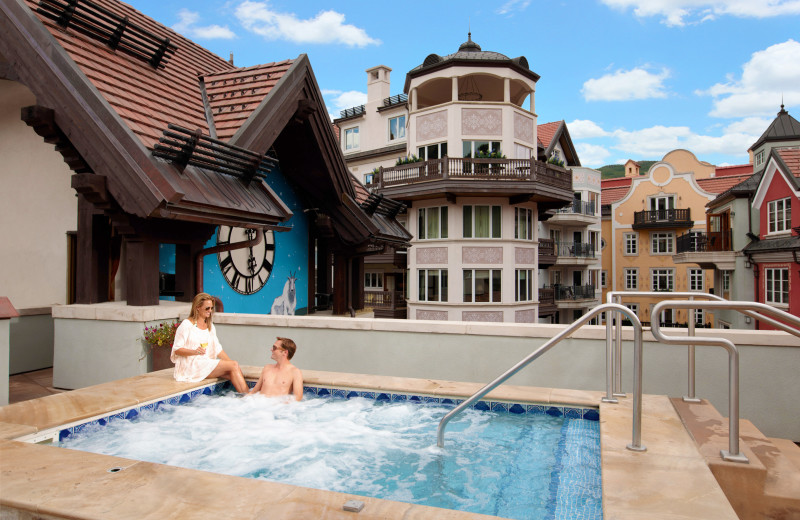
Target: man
{"points": [[282, 378]]}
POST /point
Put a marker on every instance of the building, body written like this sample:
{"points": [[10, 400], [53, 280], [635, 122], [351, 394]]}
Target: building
{"points": [[738, 244], [644, 217], [460, 148]]}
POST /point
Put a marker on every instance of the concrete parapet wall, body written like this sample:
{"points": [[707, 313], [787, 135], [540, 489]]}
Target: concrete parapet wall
{"points": [[459, 351]]}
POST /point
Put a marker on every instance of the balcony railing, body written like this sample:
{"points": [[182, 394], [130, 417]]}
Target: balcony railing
{"points": [[575, 250], [697, 242], [469, 168], [582, 207], [662, 218], [574, 292], [385, 299], [547, 247], [547, 297]]}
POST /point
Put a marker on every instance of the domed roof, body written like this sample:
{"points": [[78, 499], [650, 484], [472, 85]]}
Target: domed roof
{"points": [[470, 51]]}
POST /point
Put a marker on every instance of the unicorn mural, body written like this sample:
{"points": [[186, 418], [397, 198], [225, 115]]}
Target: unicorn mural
{"points": [[286, 302]]}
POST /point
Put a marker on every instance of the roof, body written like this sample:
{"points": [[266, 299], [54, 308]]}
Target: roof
{"points": [[613, 190], [548, 134], [790, 158], [735, 169], [114, 107], [470, 53], [547, 131], [773, 245], [721, 184], [783, 128]]}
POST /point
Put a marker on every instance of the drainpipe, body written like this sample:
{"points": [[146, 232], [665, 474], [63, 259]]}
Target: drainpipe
{"points": [[218, 249]]}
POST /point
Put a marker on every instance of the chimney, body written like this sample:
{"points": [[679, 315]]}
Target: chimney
{"points": [[230, 60], [378, 84]]}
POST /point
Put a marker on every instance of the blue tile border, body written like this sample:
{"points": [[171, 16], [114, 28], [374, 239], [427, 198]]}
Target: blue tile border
{"points": [[570, 412]]}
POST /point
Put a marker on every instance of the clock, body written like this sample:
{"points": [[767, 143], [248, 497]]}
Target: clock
{"points": [[245, 269]]}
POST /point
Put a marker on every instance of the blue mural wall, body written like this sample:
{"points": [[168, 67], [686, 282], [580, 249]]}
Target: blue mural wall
{"points": [[290, 260]]}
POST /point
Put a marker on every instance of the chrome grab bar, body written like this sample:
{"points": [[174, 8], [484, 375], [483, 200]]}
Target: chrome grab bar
{"points": [[616, 297], [747, 308], [636, 443]]}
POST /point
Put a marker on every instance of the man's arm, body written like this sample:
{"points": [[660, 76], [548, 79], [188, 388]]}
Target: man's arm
{"points": [[259, 384], [297, 385]]}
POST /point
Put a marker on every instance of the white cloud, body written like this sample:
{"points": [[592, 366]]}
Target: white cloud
{"points": [[624, 85], [771, 75], [585, 129], [592, 155], [656, 141], [336, 101], [325, 27], [187, 27], [677, 13], [513, 5]]}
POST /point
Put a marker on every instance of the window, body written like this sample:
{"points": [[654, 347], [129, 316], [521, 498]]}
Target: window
{"points": [[631, 243], [476, 148], [523, 290], [482, 285], [662, 203], [351, 138], [603, 275], [633, 307], [663, 279], [433, 285], [523, 219], [699, 317], [776, 284], [667, 318], [373, 280], [432, 151], [759, 159], [696, 281], [594, 238], [432, 223], [397, 127], [661, 243], [594, 203], [780, 215], [481, 221], [726, 282], [631, 279], [555, 277]]}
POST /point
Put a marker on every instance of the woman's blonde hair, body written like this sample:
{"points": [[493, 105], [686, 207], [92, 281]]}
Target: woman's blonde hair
{"points": [[196, 303]]}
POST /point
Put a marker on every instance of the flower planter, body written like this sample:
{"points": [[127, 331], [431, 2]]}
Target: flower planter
{"points": [[159, 357]]}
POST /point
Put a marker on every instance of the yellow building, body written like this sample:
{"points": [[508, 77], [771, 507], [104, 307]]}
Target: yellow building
{"points": [[644, 215]]}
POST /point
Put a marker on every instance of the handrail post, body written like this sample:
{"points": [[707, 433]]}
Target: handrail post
{"points": [[618, 354], [609, 398], [636, 442], [691, 398]]}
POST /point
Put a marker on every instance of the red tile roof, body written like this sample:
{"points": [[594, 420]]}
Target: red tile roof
{"points": [[721, 184], [234, 94], [791, 157], [547, 131], [736, 169], [148, 99]]}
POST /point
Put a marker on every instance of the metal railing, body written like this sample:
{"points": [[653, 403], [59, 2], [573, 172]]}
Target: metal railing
{"points": [[575, 249], [582, 207], [699, 242], [636, 442], [748, 308], [574, 292], [660, 217]]}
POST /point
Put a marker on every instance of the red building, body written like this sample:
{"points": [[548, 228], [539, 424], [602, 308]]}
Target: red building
{"points": [[775, 255]]}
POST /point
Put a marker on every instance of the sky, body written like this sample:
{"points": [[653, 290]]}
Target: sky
{"points": [[633, 79]]}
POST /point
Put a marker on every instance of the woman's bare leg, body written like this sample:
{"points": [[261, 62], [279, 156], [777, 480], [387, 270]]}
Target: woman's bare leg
{"points": [[230, 370]]}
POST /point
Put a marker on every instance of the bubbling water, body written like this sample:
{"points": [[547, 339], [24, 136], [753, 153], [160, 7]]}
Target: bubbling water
{"points": [[358, 446]]}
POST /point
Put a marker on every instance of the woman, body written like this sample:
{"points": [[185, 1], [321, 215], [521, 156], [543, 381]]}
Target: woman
{"points": [[197, 353]]}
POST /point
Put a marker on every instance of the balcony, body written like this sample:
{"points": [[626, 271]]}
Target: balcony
{"points": [[575, 253], [519, 179], [574, 292], [712, 250], [662, 219], [548, 253], [579, 212], [547, 301], [387, 304]]}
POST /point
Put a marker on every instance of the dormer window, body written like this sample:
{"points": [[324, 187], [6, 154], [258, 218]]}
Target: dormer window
{"points": [[397, 128], [760, 158]]}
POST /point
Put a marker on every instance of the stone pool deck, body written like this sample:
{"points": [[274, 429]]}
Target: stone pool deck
{"points": [[670, 480]]}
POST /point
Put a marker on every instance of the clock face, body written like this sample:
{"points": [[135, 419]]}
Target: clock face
{"points": [[245, 269]]}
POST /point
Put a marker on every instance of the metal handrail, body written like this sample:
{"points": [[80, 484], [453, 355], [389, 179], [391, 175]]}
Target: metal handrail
{"points": [[616, 297], [732, 454], [636, 443]]}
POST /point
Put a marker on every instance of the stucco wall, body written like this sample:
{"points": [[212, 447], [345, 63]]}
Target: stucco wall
{"points": [[31, 342], [37, 208]]}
